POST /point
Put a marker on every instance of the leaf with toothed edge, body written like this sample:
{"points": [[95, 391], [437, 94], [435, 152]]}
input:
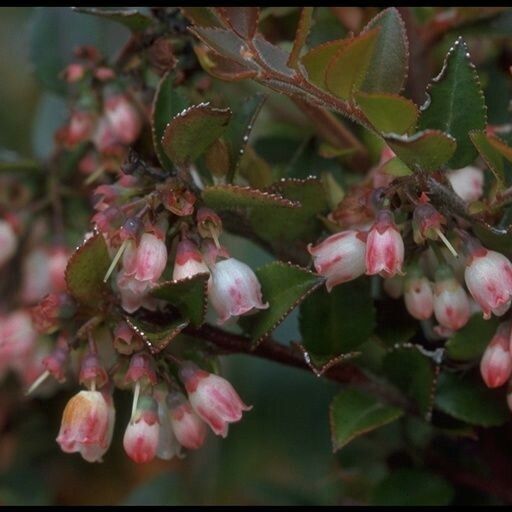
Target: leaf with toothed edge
{"points": [[130, 18], [168, 102], [156, 338], [85, 272], [284, 286], [234, 197], [320, 364], [201, 16], [455, 103], [239, 128], [316, 60], [335, 323], [301, 35], [428, 150], [192, 131], [242, 20], [188, 295], [389, 64], [353, 413]]}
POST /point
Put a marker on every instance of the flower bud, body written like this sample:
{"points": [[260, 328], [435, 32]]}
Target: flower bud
{"points": [[467, 182], [87, 425], [488, 277], [189, 429], [8, 242], [384, 247], [123, 118], [142, 433], [125, 340], [234, 289], [79, 128], [55, 362], [213, 398], [418, 295], [451, 303], [178, 200], [92, 372], [209, 224], [141, 369], [426, 223], [339, 258], [496, 363], [189, 261]]}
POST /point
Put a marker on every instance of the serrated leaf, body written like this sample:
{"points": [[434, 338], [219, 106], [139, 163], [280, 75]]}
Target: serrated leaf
{"points": [[273, 56], [85, 272], [306, 17], [468, 399], [456, 103], [221, 67], [353, 413], [191, 131], [347, 70], [168, 102], [239, 128], [242, 20], [395, 167], [284, 287], [470, 342], [389, 113], [413, 487], [337, 322], [188, 295], [130, 18], [428, 150], [412, 372], [316, 60], [388, 66], [494, 151], [320, 364], [233, 197], [202, 16], [156, 338]]}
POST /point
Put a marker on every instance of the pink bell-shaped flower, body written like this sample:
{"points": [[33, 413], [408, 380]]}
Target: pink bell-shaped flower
{"points": [[468, 182], [124, 119], [150, 259], [418, 294], [8, 242], [188, 427], [496, 363], [189, 261], [339, 258], [213, 398], [384, 247]]}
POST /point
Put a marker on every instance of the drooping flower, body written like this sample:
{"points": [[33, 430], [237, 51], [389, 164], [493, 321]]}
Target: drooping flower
{"points": [[496, 363], [213, 398], [189, 261], [8, 242], [418, 295], [340, 258], [467, 182], [384, 247], [124, 119], [188, 427], [87, 425], [150, 259]]}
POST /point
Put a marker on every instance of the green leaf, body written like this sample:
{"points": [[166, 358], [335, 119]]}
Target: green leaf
{"points": [[469, 400], [156, 337], [316, 60], [494, 151], [235, 197], [85, 272], [188, 295], [239, 128], [353, 414], [191, 131], [389, 113], [168, 102], [412, 372], [388, 66], [337, 322], [284, 287], [396, 167], [413, 487], [347, 69], [301, 35], [470, 342], [492, 239], [202, 16], [456, 103], [130, 18], [428, 150]]}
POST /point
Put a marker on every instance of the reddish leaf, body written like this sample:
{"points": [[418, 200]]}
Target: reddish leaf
{"points": [[243, 20]]}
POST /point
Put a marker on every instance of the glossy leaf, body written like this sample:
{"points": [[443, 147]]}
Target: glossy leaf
{"points": [[130, 18], [191, 131], [169, 101], [497, 240], [242, 20], [494, 151], [388, 66], [456, 103], [316, 60], [337, 322], [353, 413], [347, 69], [239, 128], [188, 295], [85, 272], [389, 113], [284, 287], [413, 373], [156, 338], [469, 343], [427, 150], [468, 399], [413, 487]]}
